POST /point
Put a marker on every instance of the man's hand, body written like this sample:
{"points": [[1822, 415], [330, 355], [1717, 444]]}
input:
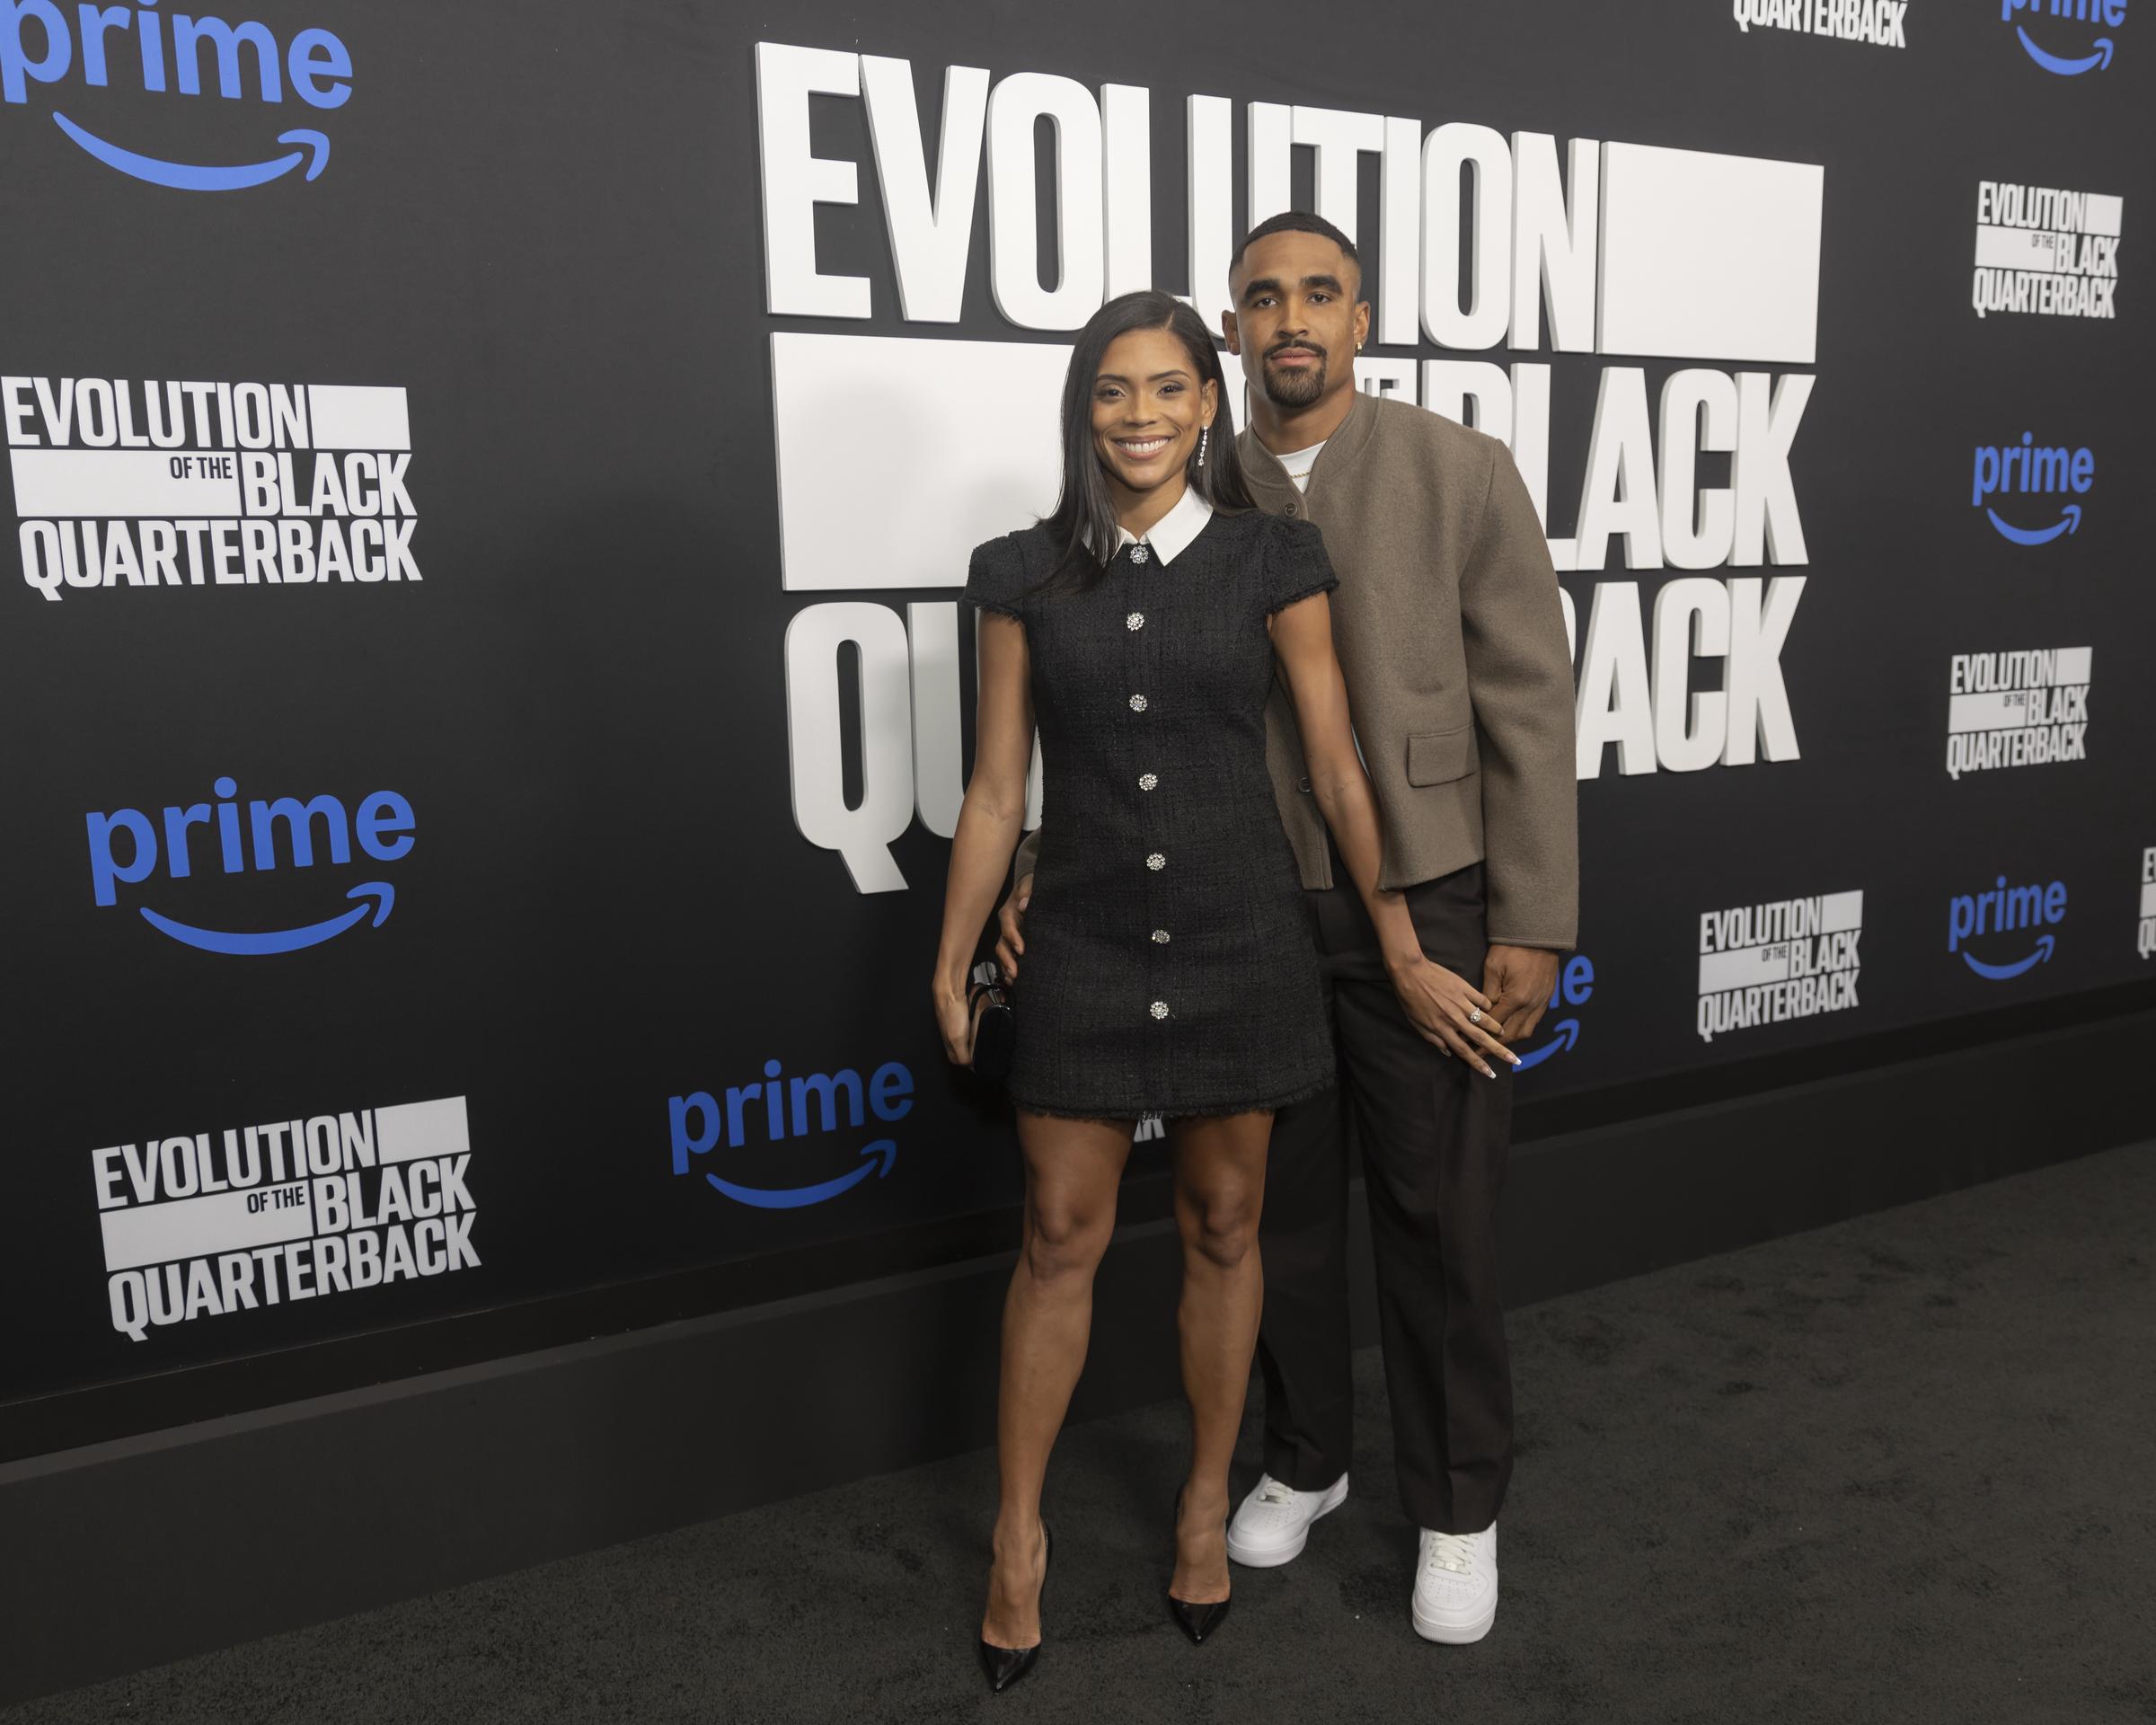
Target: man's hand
{"points": [[1008, 919], [1519, 980]]}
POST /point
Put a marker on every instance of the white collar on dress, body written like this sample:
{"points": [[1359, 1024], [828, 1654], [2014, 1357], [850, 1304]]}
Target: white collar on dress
{"points": [[1174, 531]]}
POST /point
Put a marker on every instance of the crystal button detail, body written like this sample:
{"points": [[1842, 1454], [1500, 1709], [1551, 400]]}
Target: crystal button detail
{"points": [[1137, 703], [1159, 937], [1136, 620], [1146, 781], [1139, 554], [1156, 861], [1160, 1009]]}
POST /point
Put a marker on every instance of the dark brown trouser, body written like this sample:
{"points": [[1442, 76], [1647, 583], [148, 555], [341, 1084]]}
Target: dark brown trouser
{"points": [[1434, 1134]]}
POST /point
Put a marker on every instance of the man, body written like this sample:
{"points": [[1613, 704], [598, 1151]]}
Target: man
{"points": [[1451, 637]]}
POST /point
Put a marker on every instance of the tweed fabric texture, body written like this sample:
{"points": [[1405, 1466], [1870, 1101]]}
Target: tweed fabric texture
{"points": [[1169, 961]]}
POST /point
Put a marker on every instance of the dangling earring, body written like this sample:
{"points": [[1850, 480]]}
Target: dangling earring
{"points": [[1203, 437]]}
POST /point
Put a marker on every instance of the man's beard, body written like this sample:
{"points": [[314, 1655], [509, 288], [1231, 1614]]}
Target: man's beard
{"points": [[1296, 388]]}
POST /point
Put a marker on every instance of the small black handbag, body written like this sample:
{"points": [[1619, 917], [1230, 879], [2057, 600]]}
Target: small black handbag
{"points": [[995, 1030]]}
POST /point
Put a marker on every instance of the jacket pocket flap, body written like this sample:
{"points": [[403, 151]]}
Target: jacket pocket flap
{"points": [[1439, 757]]}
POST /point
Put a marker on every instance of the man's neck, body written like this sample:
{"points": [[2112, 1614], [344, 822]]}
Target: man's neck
{"points": [[1285, 429], [1138, 513]]}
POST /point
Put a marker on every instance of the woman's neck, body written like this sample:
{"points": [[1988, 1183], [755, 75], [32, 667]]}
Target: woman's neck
{"points": [[1138, 513]]}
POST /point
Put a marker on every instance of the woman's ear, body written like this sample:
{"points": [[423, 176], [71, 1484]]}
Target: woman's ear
{"points": [[1208, 396]]}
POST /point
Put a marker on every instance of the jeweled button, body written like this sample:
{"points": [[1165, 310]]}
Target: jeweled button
{"points": [[1136, 620], [1137, 703], [1156, 861], [1160, 1009], [1159, 937], [1146, 781], [1139, 554]]}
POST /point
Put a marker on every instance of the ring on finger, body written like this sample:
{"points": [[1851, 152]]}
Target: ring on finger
{"points": [[1475, 1017]]}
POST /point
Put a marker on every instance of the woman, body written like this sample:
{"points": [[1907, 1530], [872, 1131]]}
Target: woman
{"points": [[1168, 964]]}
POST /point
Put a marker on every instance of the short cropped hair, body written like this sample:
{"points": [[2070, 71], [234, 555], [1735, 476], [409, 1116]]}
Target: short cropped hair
{"points": [[1297, 221]]}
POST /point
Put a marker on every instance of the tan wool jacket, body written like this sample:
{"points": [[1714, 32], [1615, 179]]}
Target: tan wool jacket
{"points": [[1452, 641]]}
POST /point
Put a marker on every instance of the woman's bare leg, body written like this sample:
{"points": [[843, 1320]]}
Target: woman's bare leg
{"points": [[1219, 1191], [1071, 1171]]}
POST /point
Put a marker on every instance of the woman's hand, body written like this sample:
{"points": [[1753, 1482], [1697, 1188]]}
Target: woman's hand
{"points": [[1450, 1011], [955, 1019], [1010, 922]]}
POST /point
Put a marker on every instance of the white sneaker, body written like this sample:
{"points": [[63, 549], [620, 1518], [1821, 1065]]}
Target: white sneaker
{"points": [[1272, 1526], [1456, 1586]]}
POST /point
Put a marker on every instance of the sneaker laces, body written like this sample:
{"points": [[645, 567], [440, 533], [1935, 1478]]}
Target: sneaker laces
{"points": [[1450, 1551], [1277, 1491]]}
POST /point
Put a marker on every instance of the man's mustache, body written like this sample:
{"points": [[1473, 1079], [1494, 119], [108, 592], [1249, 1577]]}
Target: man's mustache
{"points": [[1295, 347]]}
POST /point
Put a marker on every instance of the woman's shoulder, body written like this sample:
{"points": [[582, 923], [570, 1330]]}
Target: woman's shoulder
{"points": [[1001, 569], [1258, 541], [1294, 531], [1021, 544], [1290, 561], [1238, 532]]}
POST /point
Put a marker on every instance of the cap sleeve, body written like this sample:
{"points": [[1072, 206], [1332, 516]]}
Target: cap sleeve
{"points": [[996, 579], [1294, 563]]}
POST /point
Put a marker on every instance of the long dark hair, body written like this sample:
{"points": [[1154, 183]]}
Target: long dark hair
{"points": [[1084, 522]]}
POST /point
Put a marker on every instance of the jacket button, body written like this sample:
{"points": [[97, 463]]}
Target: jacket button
{"points": [[1292, 509], [1303, 785]]}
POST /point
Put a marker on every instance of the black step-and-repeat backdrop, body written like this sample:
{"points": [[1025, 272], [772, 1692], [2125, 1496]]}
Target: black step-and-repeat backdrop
{"points": [[487, 486]]}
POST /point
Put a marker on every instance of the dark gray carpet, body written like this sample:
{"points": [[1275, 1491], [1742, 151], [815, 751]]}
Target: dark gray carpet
{"points": [[1898, 1468]]}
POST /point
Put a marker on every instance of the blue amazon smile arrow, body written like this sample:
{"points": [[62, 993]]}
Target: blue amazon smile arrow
{"points": [[184, 176], [2069, 521], [285, 940], [794, 1197], [2046, 945], [2067, 68], [1566, 1036]]}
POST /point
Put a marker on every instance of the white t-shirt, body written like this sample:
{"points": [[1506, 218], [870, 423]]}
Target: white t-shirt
{"points": [[1299, 461]]}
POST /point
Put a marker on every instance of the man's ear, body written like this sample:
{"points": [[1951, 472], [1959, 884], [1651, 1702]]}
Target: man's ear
{"points": [[1234, 335], [1362, 322]]}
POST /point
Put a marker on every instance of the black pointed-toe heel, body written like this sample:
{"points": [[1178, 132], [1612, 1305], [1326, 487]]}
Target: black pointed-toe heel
{"points": [[1004, 1665], [1196, 1621]]}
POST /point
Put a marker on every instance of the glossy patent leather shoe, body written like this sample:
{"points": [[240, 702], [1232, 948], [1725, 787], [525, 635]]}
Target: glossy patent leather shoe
{"points": [[1004, 1665], [1196, 1621]]}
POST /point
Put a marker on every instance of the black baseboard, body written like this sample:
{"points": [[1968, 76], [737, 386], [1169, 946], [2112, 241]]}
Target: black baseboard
{"points": [[147, 1548]]}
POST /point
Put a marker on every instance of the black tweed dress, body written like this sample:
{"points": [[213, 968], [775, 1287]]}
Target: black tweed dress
{"points": [[1168, 963]]}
